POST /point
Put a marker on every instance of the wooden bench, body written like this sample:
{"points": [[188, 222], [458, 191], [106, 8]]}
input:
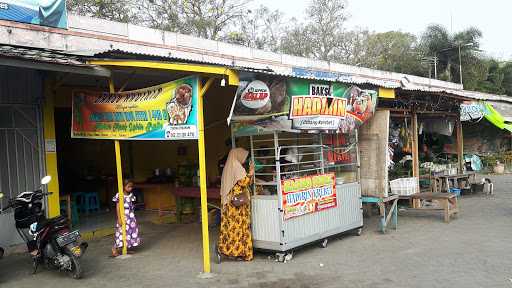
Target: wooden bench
{"points": [[448, 203], [381, 203]]}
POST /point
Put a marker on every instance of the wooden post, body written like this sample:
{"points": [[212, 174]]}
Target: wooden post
{"points": [[120, 186], [415, 153], [460, 145], [202, 174]]}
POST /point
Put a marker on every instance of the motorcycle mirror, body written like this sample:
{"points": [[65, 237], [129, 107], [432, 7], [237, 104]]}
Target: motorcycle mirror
{"points": [[46, 180]]}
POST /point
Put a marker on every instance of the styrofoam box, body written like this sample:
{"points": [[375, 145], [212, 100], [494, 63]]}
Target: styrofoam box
{"points": [[404, 186]]}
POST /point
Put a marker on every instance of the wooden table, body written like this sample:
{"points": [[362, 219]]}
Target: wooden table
{"points": [[445, 182], [448, 201], [213, 193], [158, 196], [381, 203]]}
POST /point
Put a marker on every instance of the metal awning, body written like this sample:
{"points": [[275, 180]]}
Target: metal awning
{"points": [[48, 60]]}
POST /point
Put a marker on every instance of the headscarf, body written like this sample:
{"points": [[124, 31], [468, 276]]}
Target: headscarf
{"points": [[233, 171]]}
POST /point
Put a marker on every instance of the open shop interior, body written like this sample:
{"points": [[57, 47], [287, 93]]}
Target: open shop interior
{"points": [[165, 173], [424, 142]]}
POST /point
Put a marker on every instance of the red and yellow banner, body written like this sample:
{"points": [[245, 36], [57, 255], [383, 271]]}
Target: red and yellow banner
{"points": [[164, 112], [308, 194]]}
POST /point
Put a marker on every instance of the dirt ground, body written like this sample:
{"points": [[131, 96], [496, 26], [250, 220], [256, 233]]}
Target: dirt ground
{"points": [[471, 251]]}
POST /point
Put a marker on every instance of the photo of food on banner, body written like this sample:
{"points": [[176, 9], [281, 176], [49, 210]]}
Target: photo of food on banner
{"points": [[262, 105], [180, 105]]}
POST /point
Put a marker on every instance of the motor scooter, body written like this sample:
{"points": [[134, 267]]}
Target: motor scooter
{"points": [[49, 241]]}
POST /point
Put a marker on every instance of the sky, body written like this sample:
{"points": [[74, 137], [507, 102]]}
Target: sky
{"points": [[492, 17]]}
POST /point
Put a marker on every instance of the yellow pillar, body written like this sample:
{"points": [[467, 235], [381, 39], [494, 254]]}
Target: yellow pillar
{"points": [[53, 208], [202, 175], [120, 186]]}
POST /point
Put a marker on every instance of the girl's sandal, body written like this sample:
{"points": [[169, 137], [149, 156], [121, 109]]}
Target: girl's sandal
{"points": [[114, 253]]}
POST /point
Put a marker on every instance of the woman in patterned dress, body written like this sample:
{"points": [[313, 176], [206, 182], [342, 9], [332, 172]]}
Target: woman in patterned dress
{"points": [[132, 229], [235, 238]]}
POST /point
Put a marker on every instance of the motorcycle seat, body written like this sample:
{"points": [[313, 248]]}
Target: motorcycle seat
{"points": [[57, 221]]}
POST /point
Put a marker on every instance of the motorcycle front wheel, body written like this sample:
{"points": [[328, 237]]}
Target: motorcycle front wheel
{"points": [[76, 269]]}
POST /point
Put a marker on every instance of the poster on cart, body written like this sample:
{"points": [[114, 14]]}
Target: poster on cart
{"points": [[274, 104], [308, 194], [164, 112]]}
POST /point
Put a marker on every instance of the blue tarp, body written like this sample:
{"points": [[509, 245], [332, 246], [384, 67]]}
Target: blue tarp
{"points": [[40, 12]]}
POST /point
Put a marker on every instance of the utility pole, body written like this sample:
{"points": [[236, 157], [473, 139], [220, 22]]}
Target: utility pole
{"points": [[460, 65], [429, 61], [435, 67], [459, 45]]}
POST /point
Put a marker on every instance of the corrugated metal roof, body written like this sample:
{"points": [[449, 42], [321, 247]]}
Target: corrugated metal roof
{"points": [[40, 55], [398, 81], [282, 71]]}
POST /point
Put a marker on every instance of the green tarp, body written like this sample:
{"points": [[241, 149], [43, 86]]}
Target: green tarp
{"points": [[495, 117]]}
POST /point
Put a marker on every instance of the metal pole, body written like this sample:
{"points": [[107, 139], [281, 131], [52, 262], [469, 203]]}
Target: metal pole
{"points": [[435, 67], [120, 188], [202, 174], [460, 66]]}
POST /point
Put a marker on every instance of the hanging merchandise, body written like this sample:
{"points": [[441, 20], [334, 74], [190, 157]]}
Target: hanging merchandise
{"points": [[439, 126]]}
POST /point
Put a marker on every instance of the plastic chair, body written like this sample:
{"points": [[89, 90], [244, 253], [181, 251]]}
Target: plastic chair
{"points": [[74, 211], [80, 200], [92, 202], [74, 214]]}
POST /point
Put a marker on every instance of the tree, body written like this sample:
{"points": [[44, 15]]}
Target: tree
{"points": [[261, 28], [437, 41], [114, 10], [393, 51], [202, 18], [507, 78], [320, 36]]}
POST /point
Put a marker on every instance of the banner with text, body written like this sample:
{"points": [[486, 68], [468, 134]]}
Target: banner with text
{"points": [[308, 194], [265, 105], [329, 106], [164, 112]]}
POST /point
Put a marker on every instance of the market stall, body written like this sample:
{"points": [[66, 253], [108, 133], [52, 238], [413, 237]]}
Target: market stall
{"points": [[412, 142], [302, 136], [163, 107]]}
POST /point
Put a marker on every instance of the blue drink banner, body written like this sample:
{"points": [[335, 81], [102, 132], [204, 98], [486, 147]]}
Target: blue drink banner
{"points": [[50, 13]]}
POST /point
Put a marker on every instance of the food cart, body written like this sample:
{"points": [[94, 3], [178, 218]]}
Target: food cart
{"points": [[302, 137]]}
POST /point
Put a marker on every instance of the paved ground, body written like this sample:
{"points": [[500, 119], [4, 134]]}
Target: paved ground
{"points": [[472, 251]]}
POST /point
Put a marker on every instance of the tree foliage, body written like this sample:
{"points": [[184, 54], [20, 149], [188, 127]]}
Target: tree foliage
{"points": [[437, 41], [261, 28], [321, 35], [394, 51], [115, 10]]}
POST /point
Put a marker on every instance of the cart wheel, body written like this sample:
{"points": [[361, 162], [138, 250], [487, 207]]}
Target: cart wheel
{"points": [[324, 243], [280, 257], [288, 257], [284, 257], [359, 231]]}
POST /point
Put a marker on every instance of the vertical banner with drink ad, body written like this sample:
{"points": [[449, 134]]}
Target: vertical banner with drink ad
{"points": [[163, 112], [51, 13], [308, 194]]}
